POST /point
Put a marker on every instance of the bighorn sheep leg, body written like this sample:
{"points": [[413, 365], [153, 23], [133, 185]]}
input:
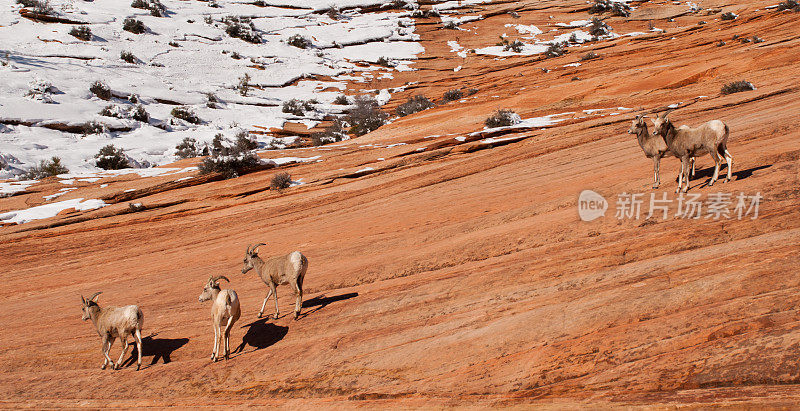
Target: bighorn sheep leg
{"points": [[138, 336], [123, 340], [269, 294]]}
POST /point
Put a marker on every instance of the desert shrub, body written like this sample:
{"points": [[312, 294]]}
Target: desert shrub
{"points": [[589, 56], [450, 25], [385, 62], [94, 127], [134, 26], [38, 6], [614, 7], [40, 89], [186, 114], [156, 8], [414, 105], [242, 28], [332, 134], [81, 32], [757, 39], [333, 13], [599, 28], [365, 116], [299, 41], [140, 114], [243, 141], [452, 95], [174, 44], [128, 57], [516, 46], [296, 107], [230, 161], [111, 158], [46, 168], [514, 14], [244, 85], [112, 110], [789, 5], [555, 50], [281, 181], [211, 100], [737, 86], [341, 100], [728, 16], [187, 148], [101, 90], [502, 118]]}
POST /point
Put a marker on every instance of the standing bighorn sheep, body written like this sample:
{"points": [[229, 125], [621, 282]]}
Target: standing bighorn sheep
{"points": [[685, 142], [225, 311], [653, 146], [113, 322], [275, 271]]}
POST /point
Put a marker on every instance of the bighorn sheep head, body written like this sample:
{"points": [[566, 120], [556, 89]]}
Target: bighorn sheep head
{"points": [[661, 123], [87, 303], [637, 124], [211, 286], [249, 255]]}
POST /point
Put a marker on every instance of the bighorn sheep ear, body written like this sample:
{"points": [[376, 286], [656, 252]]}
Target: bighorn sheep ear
{"points": [[93, 298]]}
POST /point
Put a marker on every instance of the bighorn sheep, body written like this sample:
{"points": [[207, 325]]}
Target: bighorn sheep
{"points": [[113, 322], [653, 146], [275, 271], [685, 142], [225, 311]]}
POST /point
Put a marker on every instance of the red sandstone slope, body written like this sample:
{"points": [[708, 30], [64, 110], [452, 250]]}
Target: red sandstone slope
{"points": [[456, 273]]}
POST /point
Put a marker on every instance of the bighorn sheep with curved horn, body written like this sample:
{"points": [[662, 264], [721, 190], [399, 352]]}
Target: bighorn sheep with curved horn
{"points": [[225, 310], [275, 271], [653, 146], [685, 142], [113, 322]]}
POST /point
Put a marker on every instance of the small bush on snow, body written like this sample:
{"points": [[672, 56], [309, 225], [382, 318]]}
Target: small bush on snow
{"points": [[40, 90], [229, 160], [134, 26], [101, 90], [297, 107], [281, 181], [334, 133], [128, 57], [186, 114], [789, 5], [94, 127], [81, 32], [598, 28], [555, 50], [502, 118], [365, 116], [244, 143], [414, 105], [341, 100], [187, 148], [111, 158], [728, 16], [616, 8], [244, 85], [38, 6], [516, 46], [242, 28], [46, 168], [140, 114], [384, 62], [299, 41]]}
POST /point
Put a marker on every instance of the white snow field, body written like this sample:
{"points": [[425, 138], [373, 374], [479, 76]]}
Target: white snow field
{"points": [[180, 58]]}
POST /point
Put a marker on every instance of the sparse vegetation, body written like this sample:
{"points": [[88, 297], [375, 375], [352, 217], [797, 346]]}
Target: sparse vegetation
{"points": [[789, 5], [111, 158], [728, 16], [211, 100], [128, 57], [133, 25], [457, 94], [244, 85], [243, 141], [281, 181], [187, 148], [385, 62], [516, 46], [140, 114], [41, 90], [230, 160], [101, 90], [186, 114], [414, 105], [46, 168], [112, 110], [333, 133], [297, 107], [589, 56], [156, 8], [81, 32], [599, 28], [737, 86], [174, 44], [616, 8], [341, 100], [365, 116], [556, 49], [299, 41], [38, 7], [450, 25], [242, 28], [502, 118], [94, 127]]}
